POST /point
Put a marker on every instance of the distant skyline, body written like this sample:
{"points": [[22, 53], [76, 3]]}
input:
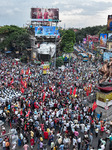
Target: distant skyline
{"points": [[72, 13]]}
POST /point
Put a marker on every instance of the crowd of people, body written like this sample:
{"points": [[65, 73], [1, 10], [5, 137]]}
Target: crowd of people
{"points": [[53, 111]]}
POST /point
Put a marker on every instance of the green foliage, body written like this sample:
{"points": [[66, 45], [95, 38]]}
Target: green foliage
{"points": [[59, 62], [14, 38], [96, 30], [68, 40]]}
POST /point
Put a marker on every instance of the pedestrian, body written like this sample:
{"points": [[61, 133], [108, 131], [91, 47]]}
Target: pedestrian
{"points": [[79, 142], [26, 146]]}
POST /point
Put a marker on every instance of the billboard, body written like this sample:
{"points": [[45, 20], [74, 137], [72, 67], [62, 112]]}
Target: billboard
{"points": [[103, 39], [84, 40], [109, 22], [107, 55], [42, 14], [46, 68], [93, 38], [109, 35], [46, 31]]}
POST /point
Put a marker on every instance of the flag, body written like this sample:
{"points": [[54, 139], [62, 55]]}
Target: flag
{"points": [[25, 84], [43, 96], [10, 125], [25, 127], [22, 71], [70, 90], [74, 92], [22, 82], [27, 71], [22, 90], [16, 62], [87, 92], [21, 112], [12, 81], [94, 106]]}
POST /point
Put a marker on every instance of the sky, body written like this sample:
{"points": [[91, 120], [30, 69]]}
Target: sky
{"points": [[72, 13]]}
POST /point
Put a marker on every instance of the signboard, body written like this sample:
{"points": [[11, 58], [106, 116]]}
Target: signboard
{"points": [[84, 40], [42, 14], [107, 55], [102, 99], [34, 55], [109, 35], [93, 38], [46, 68], [46, 31], [109, 22], [103, 39]]}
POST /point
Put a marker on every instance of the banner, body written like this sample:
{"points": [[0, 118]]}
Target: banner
{"points": [[109, 22], [46, 68], [109, 35], [45, 15], [107, 55], [46, 31], [103, 39]]}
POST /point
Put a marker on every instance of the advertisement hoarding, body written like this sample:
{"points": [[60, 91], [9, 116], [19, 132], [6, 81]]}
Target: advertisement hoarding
{"points": [[42, 14], [109, 22], [46, 31], [109, 35], [103, 39], [84, 40], [107, 55], [46, 68], [92, 38]]}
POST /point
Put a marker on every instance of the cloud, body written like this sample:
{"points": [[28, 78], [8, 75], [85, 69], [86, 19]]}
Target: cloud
{"points": [[73, 13]]}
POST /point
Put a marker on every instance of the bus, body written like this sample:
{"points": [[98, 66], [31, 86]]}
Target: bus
{"points": [[83, 56], [76, 50]]}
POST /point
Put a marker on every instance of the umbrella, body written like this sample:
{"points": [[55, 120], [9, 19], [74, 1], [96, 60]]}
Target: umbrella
{"points": [[8, 52]]}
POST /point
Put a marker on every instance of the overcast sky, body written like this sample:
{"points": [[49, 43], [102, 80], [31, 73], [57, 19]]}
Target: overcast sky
{"points": [[72, 13]]}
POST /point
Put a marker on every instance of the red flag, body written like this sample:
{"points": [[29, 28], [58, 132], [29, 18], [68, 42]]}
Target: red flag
{"points": [[21, 112], [22, 90], [70, 90], [22, 82], [12, 81], [16, 62], [94, 106], [44, 97], [27, 72], [25, 84], [87, 92], [10, 125], [74, 92], [22, 71], [25, 127]]}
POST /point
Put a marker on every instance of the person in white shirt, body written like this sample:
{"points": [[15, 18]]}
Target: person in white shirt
{"points": [[3, 145], [74, 141]]}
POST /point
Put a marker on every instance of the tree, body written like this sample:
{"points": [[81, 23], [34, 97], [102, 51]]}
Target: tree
{"points": [[15, 38], [59, 62], [68, 40]]}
